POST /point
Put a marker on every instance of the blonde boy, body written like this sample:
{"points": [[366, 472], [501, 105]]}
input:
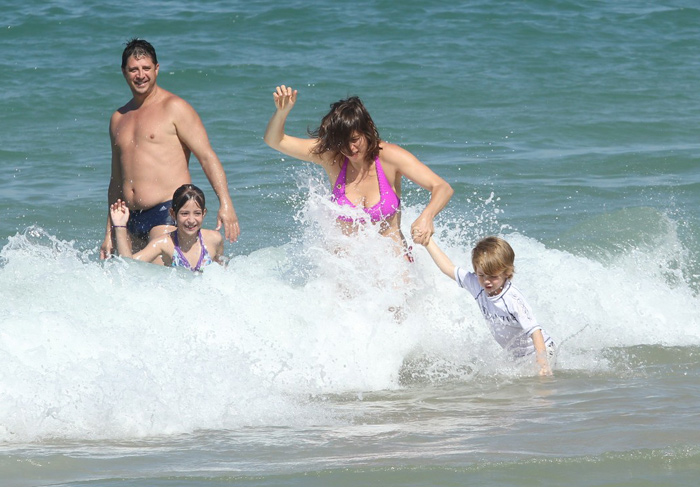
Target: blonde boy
{"points": [[510, 318]]}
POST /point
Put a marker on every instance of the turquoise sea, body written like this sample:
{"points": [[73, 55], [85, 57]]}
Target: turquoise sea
{"points": [[570, 127]]}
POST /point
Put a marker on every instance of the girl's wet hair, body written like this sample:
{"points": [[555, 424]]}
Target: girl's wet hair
{"points": [[345, 119], [185, 193], [138, 48], [494, 256]]}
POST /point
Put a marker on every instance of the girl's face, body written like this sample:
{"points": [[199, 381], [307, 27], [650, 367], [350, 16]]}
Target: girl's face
{"points": [[493, 285], [190, 217]]}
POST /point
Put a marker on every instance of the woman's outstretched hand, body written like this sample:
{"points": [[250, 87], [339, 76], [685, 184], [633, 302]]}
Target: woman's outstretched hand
{"points": [[285, 97]]}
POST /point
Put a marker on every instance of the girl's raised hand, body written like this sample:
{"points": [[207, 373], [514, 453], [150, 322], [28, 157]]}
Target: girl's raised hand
{"points": [[119, 213], [284, 97]]}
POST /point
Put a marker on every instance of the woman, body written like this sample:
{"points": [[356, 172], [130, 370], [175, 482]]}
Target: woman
{"points": [[365, 171]]}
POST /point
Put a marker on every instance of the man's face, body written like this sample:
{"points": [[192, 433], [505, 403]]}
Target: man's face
{"points": [[140, 74]]}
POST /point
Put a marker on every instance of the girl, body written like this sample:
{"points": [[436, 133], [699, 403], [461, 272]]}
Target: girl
{"points": [[188, 246]]}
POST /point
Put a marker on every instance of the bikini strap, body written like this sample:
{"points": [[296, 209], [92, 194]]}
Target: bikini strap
{"points": [[201, 252], [381, 178], [179, 251], [184, 260], [344, 175]]}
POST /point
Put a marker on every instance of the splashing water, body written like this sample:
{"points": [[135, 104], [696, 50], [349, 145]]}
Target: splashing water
{"points": [[121, 349]]}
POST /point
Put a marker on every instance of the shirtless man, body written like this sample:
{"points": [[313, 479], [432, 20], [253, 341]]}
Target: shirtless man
{"points": [[152, 138]]}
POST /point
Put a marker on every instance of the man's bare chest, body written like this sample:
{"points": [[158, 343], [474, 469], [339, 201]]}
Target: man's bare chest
{"points": [[137, 128]]}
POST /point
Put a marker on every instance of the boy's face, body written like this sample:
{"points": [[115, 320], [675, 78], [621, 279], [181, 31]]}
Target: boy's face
{"points": [[493, 285]]}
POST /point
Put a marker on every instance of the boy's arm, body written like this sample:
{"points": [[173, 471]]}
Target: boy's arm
{"points": [[541, 352], [439, 257]]}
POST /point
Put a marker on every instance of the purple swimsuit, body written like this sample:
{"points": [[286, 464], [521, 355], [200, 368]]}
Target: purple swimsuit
{"points": [[179, 259], [388, 203]]}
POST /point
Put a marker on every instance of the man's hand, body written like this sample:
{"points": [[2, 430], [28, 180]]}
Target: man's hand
{"points": [[228, 219], [107, 248]]}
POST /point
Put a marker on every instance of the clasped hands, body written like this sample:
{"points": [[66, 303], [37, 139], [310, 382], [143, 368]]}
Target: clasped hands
{"points": [[421, 231]]}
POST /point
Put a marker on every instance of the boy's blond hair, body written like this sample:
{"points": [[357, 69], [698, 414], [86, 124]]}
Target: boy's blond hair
{"points": [[494, 256]]}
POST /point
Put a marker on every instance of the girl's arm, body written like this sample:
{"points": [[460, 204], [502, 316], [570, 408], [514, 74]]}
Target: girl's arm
{"points": [[154, 248], [285, 98], [541, 352], [119, 214], [439, 257], [215, 245], [114, 192]]}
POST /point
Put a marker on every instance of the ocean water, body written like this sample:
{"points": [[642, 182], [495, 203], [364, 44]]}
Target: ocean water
{"points": [[568, 127]]}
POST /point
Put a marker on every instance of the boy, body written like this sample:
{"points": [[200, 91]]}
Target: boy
{"points": [[509, 316]]}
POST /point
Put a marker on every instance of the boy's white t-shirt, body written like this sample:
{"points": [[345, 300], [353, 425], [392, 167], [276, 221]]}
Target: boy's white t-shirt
{"points": [[509, 316]]}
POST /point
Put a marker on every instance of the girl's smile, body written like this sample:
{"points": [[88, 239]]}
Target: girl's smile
{"points": [[190, 217]]}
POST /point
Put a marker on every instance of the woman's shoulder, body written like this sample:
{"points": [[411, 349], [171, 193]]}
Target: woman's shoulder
{"points": [[387, 148], [393, 154], [331, 160]]}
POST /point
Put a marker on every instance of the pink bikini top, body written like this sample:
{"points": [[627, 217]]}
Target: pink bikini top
{"points": [[387, 206]]}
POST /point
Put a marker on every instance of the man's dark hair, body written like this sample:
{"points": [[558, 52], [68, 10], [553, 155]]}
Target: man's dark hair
{"points": [[138, 48]]}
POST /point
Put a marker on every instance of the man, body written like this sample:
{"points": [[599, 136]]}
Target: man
{"points": [[152, 138]]}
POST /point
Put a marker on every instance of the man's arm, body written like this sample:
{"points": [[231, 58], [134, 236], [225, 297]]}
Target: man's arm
{"points": [[226, 216], [192, 133]]}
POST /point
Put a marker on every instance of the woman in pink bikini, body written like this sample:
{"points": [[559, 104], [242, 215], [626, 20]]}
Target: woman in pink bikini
{"points": [[365, 171]]}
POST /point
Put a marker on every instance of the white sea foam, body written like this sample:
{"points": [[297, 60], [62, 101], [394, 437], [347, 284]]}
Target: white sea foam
{"points": [[124, 349]]}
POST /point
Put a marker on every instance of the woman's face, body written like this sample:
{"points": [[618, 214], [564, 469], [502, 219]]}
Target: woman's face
{"points": [[357, 146]]}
